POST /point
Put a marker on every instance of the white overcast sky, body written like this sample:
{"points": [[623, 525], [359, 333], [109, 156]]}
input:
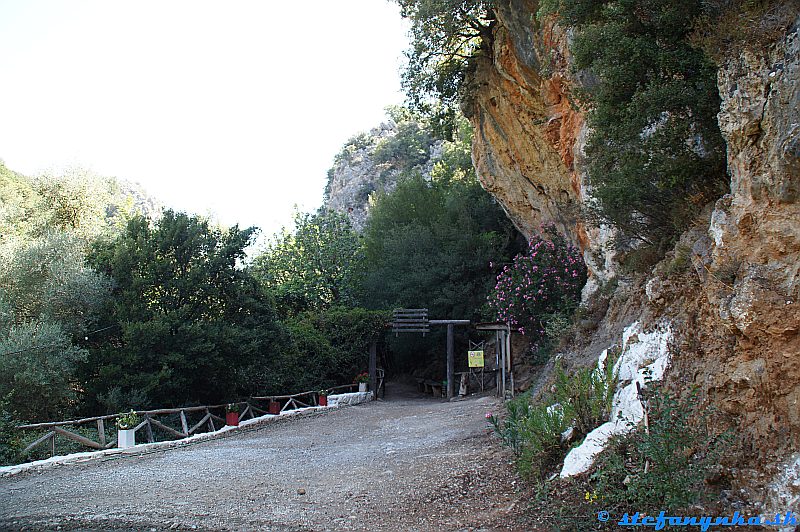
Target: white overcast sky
{"points": [[229, 108]]}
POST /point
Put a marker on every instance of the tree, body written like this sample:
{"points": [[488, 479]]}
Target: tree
{"points": [[48, 301], [317, 266], [189, 319], [445, 35], [656, 155]]}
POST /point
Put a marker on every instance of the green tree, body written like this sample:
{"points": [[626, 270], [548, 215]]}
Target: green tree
{"points": [[189, 319], [656, 155], [429, 244], [48, 301], [317, 266], [445, 35]]}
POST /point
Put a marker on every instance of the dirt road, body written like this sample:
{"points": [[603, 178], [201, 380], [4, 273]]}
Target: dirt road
{"points": [[407, 463]]}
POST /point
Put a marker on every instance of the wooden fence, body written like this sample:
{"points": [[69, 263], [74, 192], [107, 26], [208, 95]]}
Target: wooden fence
{"points": [[165, 421]]}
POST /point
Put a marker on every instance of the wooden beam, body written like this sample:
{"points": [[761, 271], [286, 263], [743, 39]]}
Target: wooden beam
{"points": [[450, 360], [167, 428], [184, 425], [101, 432], [78, 438], [150, 437], [200, 423], [38, 441], [373, 367]]}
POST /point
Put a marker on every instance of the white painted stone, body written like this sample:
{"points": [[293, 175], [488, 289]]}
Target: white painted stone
{"points": [[643, 354]]}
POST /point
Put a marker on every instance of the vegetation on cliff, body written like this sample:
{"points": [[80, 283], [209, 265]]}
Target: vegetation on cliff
{"points": [[655, 153]]}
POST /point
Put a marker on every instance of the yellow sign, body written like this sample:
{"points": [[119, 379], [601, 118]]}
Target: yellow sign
{"points": [[475, 359]]}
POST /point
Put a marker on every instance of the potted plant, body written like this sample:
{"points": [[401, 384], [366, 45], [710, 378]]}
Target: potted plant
{"points": [[323, 397], [362, 379], [232, 414], [126, 429]]}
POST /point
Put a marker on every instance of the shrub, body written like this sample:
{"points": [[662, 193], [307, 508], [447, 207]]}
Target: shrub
{"points": [[534, 431], [656, 154], [589, 393], [10, 444], [662, 468], [546, 280]]}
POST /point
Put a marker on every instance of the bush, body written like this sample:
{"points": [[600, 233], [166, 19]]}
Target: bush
{"points": [[327, 349], [656, 154], [663, 468], [588, 393], [534, 431], [543, 282], [10, 438]]}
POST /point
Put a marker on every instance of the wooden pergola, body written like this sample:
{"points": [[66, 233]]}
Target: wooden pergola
{"points": [[415, 320], [503, 353]]}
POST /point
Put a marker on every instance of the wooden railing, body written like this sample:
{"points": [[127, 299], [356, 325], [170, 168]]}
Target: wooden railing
{"points": [[192, 420]]}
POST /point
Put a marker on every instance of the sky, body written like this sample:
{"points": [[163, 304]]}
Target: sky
{"points": [[228, 109]]}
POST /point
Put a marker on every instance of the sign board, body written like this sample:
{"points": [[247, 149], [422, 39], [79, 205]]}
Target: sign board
{"points": [[475, 359]]}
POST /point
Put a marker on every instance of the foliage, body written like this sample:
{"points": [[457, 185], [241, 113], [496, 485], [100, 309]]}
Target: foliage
{"points": [[538, 284], [46, 278], [445, 35], [316, 267], [407, 148], [655, 152], [326, 349], [588, 393], [186, 319], [10, 438], [727, 27], [533, 429], [48, 299], [362, 378], [428, 244], [232, 407], [677, 453], [128, 421], [533, 432], [79, 202]]}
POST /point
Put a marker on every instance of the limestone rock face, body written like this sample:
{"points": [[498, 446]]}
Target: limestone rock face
{"points": [[529, 136], [752, 268], [735, 314], [356, 173]]}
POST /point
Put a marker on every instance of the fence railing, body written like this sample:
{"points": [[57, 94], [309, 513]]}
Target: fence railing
{"points": [[168, 423]]}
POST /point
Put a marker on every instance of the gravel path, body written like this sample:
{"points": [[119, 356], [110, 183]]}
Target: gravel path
{"points": [[407, 463]]}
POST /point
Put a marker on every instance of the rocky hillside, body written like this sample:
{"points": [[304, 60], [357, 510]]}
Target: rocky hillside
{"points": [[374, 162], [729, 293]]}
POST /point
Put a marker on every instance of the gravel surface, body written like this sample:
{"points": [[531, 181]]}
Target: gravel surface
{"points": [[406, 463]]}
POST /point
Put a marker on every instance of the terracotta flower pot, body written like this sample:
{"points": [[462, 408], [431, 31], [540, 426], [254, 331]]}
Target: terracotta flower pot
{"points": [[232, 419], [274, 407], [323, 400]]}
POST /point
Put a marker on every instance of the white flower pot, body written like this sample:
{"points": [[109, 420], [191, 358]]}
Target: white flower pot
{"points": [[126, 438], [362, 386]]}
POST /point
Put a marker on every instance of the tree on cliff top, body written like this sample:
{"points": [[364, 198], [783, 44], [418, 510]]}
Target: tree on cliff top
{"points": [[445, 34]]}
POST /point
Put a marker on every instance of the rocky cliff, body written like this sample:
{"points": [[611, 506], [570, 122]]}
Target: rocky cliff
{"points": [[365, 166], [529, 134], [729, 292]]}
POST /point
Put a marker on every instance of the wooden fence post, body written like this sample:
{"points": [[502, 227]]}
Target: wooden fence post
{"points": [[373, 367], [450, 361]]}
